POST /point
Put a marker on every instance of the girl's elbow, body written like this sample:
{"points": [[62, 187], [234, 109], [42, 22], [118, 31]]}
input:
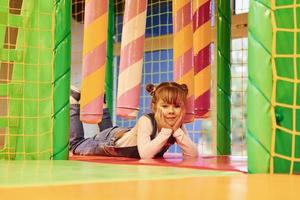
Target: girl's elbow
{"points": [[195, 154], [146, 157], [191, 154]]}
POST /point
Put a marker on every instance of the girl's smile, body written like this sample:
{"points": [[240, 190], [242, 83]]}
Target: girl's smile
{"points": [[170, 112]]}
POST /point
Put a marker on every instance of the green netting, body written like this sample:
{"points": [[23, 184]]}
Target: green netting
{"points": [[285, 54], [273, 52], [40, 69]]}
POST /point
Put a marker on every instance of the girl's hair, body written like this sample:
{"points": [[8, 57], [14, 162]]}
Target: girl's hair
{"points": [[168, 92]]}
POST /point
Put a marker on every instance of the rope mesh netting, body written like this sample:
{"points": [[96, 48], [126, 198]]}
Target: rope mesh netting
{"points": [[33, 93], [285, 149]]}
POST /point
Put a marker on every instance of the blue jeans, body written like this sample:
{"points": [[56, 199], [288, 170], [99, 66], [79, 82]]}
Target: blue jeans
{"points": [[93, 145]]}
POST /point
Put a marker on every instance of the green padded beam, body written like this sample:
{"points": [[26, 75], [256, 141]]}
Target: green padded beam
{"points": [[223, 77]]}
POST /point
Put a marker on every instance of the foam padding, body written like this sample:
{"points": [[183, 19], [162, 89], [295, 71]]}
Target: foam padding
{"points": [[225, 163], [32, 173]]}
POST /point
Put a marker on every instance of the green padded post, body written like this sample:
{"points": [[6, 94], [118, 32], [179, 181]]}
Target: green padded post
{"points": [[62, 62], [259, 108], [110, 58], [223, 77]]}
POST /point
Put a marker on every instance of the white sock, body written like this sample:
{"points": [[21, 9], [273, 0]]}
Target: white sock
{"points": [[73, 101]]}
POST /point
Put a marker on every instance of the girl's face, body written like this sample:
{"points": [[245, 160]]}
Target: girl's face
{"points": [[170, 112]]}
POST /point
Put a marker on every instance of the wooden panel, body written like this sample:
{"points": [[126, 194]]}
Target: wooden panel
{"points": [[239, 26]]}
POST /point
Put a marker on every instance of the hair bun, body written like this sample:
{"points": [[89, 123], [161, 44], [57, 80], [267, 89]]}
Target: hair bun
{"points": [[184, 87], [150, 88]]}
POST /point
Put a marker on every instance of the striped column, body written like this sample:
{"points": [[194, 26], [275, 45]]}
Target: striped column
{"points": [[183, 50], [202, 40], [94, 60], [131, 63]]}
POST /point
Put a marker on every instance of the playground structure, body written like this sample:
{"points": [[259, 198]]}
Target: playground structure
{"points": [[35, 72], [35, 78]]}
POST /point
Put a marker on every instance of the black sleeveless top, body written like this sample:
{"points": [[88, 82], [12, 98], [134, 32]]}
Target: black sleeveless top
{"points": [[132, 151]]}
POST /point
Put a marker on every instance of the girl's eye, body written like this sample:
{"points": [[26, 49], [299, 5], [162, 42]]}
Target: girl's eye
{"points": [[164, 106]]}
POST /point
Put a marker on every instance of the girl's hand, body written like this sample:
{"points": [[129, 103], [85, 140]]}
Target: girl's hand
{"points": [[179, 122], [161, 122]]}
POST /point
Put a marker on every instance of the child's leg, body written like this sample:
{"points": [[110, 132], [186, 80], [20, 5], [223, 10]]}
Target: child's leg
{"points": [[76, 127], [79, 145], [89, 146], [95, 145], [106, 120]]}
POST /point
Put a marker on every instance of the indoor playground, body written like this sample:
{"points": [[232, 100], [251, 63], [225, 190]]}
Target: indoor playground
{"points": [[239, 58]]}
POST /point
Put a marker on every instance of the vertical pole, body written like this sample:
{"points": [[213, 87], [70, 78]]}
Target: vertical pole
{"points": [[61, 78], [110, 58], [259, 105], [223, 77]]}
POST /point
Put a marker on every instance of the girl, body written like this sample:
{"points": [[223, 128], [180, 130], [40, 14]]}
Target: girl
{"points": [[152, 135]]}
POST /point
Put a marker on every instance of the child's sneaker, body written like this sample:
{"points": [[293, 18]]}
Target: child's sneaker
{"points": [[75, 93]]}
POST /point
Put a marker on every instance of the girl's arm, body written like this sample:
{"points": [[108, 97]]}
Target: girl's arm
{"points": [[188, 147], [149, 148]]}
